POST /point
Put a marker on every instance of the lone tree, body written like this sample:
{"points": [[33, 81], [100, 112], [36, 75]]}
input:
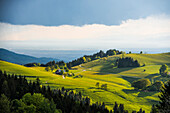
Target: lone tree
{"points": [[164, 104], [84, 60], [97, 84], [163, 70], [141, 83]]}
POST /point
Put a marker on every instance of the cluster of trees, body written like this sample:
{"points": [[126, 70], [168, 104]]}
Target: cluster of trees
{"points": [[141, 83], [19, 95], [14, 87], [145, 84], [103, 86], [84, 59], [127, 62], [52, 65], [120, 109], [164, 104], [157, 86], [95, 56], [33, 64], [28, 104]]}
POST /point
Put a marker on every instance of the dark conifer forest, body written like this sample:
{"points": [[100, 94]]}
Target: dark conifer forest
{"points": [[15, 87], [127, 62]]}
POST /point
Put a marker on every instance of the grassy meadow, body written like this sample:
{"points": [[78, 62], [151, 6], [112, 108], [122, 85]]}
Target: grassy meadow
{"points": [[103, 70]]}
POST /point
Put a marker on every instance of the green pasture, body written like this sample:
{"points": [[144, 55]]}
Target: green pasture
{"points": [[103, 70]]}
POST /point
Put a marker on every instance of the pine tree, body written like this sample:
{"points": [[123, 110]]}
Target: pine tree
{"points": [[164, 104], [5, 89], [154, 109], [121, 108], [115, 107]]}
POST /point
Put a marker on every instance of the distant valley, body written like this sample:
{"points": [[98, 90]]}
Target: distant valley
{"points": [[16, 58]]}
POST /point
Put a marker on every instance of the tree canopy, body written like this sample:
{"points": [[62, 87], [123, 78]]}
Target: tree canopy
{"points": [[163, 70], [141, 83], [164, 104]]}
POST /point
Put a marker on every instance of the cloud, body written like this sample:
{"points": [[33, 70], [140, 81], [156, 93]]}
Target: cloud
{"points": [[143, 32]]}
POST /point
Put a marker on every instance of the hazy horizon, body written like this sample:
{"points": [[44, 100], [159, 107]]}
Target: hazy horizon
{"points": [[69, 55]]}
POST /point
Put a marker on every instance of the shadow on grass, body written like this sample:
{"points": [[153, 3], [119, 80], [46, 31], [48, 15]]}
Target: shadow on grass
{"points": [[92, 88], [144, 94], [97, 91], [114, 70], [141, 93], [31, 76], [129, 79], [152, 75], [128, 91], [158, 77]]}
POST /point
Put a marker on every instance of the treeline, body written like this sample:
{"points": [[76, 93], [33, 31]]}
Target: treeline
{"points": [[85, 58], [127, 62], [18, 90], [95, 56], [15, 87]]}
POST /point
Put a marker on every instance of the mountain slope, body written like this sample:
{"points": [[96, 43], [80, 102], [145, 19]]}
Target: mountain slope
{"points": [[13, 57], [118, 80], [118, 88]]}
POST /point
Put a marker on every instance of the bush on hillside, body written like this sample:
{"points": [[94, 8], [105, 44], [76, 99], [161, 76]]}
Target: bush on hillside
{"points": [[163, 70], [141, 83], [104, 86]]}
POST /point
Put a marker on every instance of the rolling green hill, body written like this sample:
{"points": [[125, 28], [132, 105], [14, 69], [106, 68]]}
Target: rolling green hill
{"points": [[103, 71]]}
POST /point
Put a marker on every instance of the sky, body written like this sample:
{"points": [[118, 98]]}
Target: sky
{"points": [[84, 24]]}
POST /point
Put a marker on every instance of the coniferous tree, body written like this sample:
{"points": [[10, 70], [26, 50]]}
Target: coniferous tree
{"points": [[154, 109], [164, 104], [121, 108], [115, 107], [5, 89]]}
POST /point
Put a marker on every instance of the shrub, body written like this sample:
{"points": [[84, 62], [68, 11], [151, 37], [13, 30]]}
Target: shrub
{"points": [[163, 70], [141, 83]]}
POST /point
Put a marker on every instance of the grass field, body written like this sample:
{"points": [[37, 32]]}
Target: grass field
{"points": [[103, 71]]}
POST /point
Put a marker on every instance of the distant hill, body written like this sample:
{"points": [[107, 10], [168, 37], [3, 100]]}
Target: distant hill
{"points": [[16, 58]]}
